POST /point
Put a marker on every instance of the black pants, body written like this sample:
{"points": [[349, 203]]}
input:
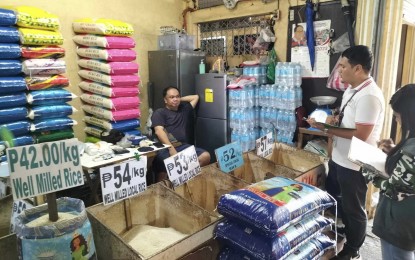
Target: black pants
{"points": [[349, 188]]}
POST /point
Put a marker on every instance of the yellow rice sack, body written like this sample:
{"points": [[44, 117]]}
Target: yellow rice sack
{"points": [[33, 17], [40, 37], [103, 27]]}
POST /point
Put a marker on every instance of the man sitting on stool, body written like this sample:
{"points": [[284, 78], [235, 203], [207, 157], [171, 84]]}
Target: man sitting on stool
{"points": [[173, 119]]}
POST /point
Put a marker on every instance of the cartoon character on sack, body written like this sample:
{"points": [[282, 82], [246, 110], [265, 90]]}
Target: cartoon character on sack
{"points": [[286, 193], [79, 247]]}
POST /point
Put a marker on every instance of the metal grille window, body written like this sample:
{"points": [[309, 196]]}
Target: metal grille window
{"points": [[231, 37]]}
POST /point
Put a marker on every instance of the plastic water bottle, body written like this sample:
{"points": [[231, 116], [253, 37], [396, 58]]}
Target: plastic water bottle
{"points": [[292, 122], [235, 135], [284, 97], [257, 111], [290, 74], [277, 73], [297, 74], [262, 117], [291, 98], [245, 140], [283, 74], [299, 96]]}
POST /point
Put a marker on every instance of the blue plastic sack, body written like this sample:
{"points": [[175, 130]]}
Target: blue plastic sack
{"points": [[52, 124], [9, 35], [132, 132], [261, 247], [12, 85], [314, 249], [13, 100], [23, 140], [10, 68], [7, 17], [49, 97], [42, 112], [18, 128], [311, 250], [9, 51], [272, 205], [12, 114], [126, 125]]}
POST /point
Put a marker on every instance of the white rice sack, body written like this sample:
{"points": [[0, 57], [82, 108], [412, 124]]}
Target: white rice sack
{"points": [[102, 26], [108, 42], [107, 54], [43, 66], [112, 68], [110, 80], [107, 91], [111, 103]]}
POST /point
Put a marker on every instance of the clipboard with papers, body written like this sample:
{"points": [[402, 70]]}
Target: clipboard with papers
{"points": [[368, 156]]}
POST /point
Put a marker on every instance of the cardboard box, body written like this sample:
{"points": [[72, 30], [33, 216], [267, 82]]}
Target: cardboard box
{"points": [[157, 206], [206, 188]]}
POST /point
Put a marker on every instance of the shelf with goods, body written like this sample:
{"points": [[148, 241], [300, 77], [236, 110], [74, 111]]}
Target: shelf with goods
{"points": [[110, 76]]}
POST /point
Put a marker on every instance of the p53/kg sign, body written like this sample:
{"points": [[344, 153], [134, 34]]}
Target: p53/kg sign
{"points": [[264, 145], [229, 157], [182, 166], [123, 180]]}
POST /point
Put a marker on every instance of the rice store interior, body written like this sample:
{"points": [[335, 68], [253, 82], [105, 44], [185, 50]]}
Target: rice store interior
{"points": [[80, 81]]}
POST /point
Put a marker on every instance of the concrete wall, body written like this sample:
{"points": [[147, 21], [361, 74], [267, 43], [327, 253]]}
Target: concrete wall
{"points": [[146, 16]]}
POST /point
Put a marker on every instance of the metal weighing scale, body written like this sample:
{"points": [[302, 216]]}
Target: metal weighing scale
{"points": [[322, 110]]}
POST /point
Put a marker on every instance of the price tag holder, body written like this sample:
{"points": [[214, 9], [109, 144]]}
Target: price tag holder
{"points": [[121, 181], [182, 166], [229, 157], [264, 145], [44, 168]]}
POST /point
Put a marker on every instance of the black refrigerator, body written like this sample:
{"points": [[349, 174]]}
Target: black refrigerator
{"points": [[212, 124], [175, 68]]}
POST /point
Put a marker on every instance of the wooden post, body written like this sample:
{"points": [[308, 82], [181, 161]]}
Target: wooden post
{"points": [[52, 206]]}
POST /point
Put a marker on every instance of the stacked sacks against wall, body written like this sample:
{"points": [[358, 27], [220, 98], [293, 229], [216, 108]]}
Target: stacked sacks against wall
{"points": [[110, 76], [42, 67], [277, 218], [13, 110]]}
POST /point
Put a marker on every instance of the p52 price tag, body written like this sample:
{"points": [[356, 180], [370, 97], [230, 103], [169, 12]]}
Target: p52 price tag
{"points": [[182, 166], [229, 157], [123, 180], [264, 145]]}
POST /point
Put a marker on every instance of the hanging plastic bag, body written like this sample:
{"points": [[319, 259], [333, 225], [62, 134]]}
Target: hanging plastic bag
{"points": [[335, 81]]}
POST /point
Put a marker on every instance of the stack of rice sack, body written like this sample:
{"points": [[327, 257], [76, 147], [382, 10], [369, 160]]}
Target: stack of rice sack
{"points": [[43, 69], [110, 76], [274, 219], [13, 110]]}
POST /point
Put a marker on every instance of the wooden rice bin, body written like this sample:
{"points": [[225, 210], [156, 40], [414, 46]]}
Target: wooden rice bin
{"points": [[8, 242], [310, 166], [206, 188], [158, 206]]}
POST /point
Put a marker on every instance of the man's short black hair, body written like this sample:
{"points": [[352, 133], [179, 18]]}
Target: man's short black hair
{"points": [[167, 89], [359, 54]]}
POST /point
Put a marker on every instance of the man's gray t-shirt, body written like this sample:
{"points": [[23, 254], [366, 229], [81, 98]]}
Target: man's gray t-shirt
{"points": [[175, 122]]}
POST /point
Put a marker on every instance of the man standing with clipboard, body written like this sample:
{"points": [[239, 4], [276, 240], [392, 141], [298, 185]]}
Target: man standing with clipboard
{"points": [[362, 112]]}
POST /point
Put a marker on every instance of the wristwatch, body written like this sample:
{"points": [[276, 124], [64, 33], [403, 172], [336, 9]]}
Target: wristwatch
{"points": [[326, 130]]}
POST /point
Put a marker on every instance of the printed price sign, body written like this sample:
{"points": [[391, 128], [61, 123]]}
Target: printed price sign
{"points": [[182, 166], [123, 180], [264, 145], [229, 157], [44, 168]]}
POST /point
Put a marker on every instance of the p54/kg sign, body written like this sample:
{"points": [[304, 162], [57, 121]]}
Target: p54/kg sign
{"points": [[123, 180], [182, 166]]}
